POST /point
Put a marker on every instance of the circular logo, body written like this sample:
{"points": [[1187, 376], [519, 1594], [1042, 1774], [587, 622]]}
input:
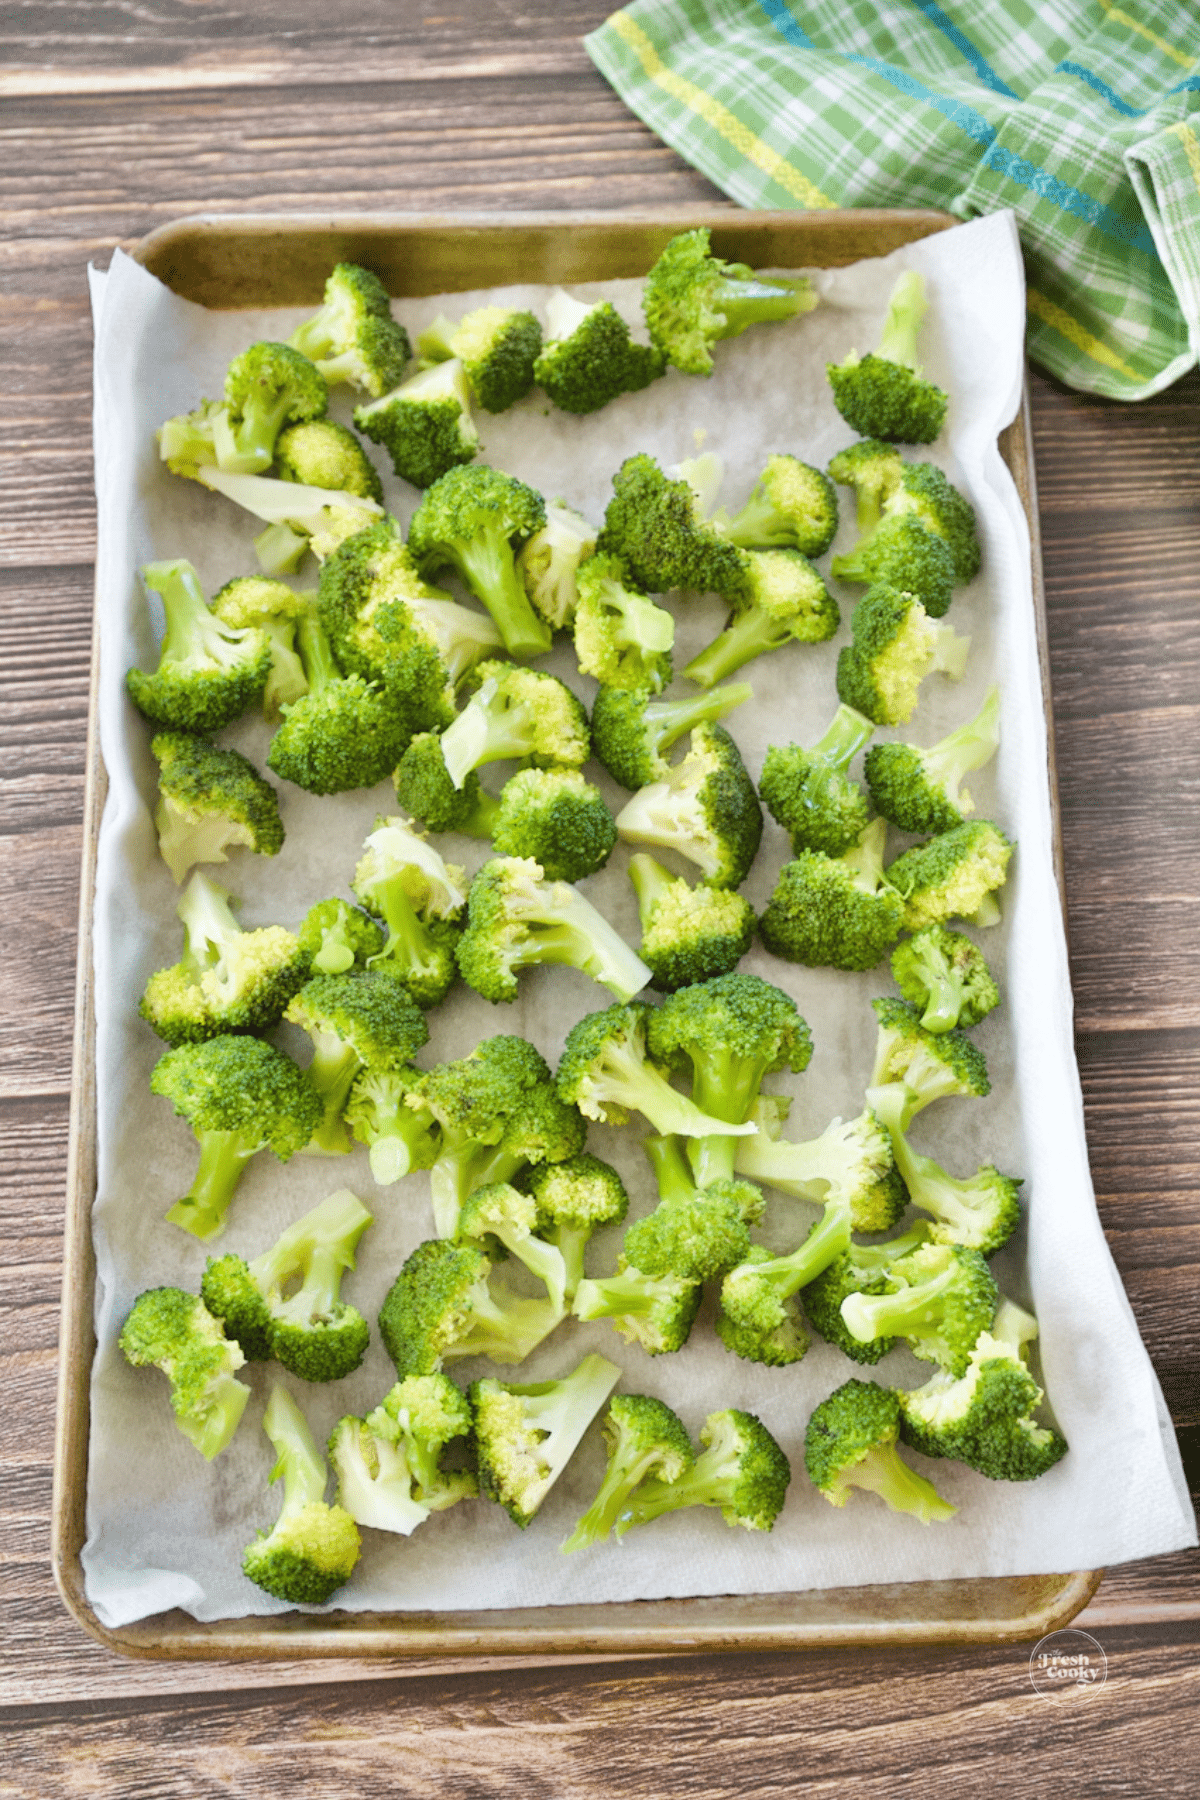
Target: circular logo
{"points": [[1067, 1661]]}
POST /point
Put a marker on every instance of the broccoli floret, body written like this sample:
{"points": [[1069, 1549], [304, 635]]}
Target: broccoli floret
{"points": [[255, 601], [424, 424], [176, 1333], [549, 561], [497, 346], [926, 1065], [851, 1443], [352, 337], [980, 1212], [692, 1234], [227, 979], [286, 1303], [240, 1096], [688, 934], [742, 1470], [809, 793], [692, 298], [606, 1072], [335, 938], [475, 521], [312, 1549], [267, 387], [984, 1418], [589, 357], [404, 881], [323, 454], [209, 801], [851, 1162], [186, 443], [758, 1319], [734, 1031], [424, 789], [631, 729], [921, 790], [834, 912], [377, 1112], [888, 488], [374, 1481], [344, 732], [939, 1298], [556, 818], [705, 809], [574, 1198], [652, 524], [298, 518], [208, 672], [895, 645], [621, 637], [355, 1022], [954, 875], [923, 492], [793, 507], [525, 1436], [446, 1304], [874, 470], [422, 1415], [785, 601], [643, 1438], [516, 918], [884, 394], [498, 1110], [861, 1269], [499, 1213], [657, 1312], [902, 552], [945, 977], [515, 715]]}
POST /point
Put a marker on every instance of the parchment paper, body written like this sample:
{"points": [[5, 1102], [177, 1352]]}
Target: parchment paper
{"points": [[164, 1528]]}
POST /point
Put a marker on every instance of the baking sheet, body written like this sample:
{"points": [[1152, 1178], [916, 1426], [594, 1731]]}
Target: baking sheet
{"points": [[174, 1535]]}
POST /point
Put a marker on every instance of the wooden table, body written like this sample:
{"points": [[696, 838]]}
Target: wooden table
{"points": [[119, 119]]}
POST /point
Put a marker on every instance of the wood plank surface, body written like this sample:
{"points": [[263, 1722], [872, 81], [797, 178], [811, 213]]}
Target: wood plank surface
{"points": [[117, 119]]}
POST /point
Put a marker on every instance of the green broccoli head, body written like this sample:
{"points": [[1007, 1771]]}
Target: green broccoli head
{"points": [[421, 1415], [785, 600], [914, 1067], [398, 1138], [793, 507], [516, 919], [954, 875], [863, 1268], [656, 1312], [354, 1022], [475, 521], [251, 602], [208, 673], [574, 1198], [227, 979], [895, 645], [424, 789], [705, 809], [692, 298], [943, 974], [742, 1470], [631, 729], [312, 1549], [499, 1214], [175, 1332], [498, 347], [835, 912], [851, 1443], [851, 1163], [605, 1071], [516, 714], [345, 732], [267, 387], [621, 637], [210, 801], [424, 424], [688, 934], [733, 1031], [335, 938], [759, 1320], [589, 357], [352, 337], [924, 492], [809, 793], [549, 562], [526, 1435], [404, 881], [939, 1298], [323, 454], [903, 553], [980, 1212], [557, 819], [921, 790], [445, 1304], [643, 1438], [695, 1237], [884, 394], [651, 523]]}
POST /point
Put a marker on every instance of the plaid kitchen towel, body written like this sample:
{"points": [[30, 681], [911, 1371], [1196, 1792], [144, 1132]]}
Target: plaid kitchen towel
{"points": [[1082, 116]]}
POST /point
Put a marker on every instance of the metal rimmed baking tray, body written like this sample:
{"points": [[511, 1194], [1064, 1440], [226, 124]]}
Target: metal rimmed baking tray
{"points": [[273, 261]]}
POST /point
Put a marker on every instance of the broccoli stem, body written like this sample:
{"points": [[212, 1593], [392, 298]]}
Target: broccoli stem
{"points": [[318, 1292], [847, 733], [410, 951], [883, 1471], [223, 1156], [749, 634], [631, 1082], [571, 931], [987, 913], [627, 1466], [298, 1460], [906, 309], [489, 569], [801, 1170], [828, 1238], [629, 1293], [316, 652], [248, 447], [946, 988], [280, 550], [865, 859], [459, 1171], [190, 624], [970, 747], [399, 1135], [484, 733], [871, 1316], [758, 302], [650, 883], [666, 721], [334, 1065], [671, 1172]]}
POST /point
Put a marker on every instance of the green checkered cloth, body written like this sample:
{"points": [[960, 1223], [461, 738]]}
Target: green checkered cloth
{"points": [[1081, 116]]}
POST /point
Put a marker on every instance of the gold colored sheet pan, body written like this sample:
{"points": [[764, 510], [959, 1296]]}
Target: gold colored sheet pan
{"points": [[264, 261]]}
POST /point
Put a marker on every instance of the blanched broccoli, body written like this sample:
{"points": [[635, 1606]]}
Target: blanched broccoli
{"points": [[388, 1465], [424, 424], [501, 1213], [515, 715], [980, 1212], [694, 1233], [705, 809], [210, 801], [655, 1311], [286, 1304], [323, 454], [688, 934], [549, 560], [742, 1470], [355, 1022], [497, 346], [759, 1319], [851, 1443], [208, 673], [784, 601], [643, 1438], [344, 732], [863, 1268], [267, 387], [251, 601], [176, 1333], [902, 552], [939, 1298], [884, 394], [589, 357], [516, 918], [691, 299], [652, 524], [954, 875], [835, 912], [447, 1303], [227, 979], [921, 790], [984, 1418], [895, 645], [377, 1112], [927, 1065], [498, 1111], [887, 487], [574, 1198], [374, 1481], [621, 637], [405, 882], [556, 818], [335, 938], [312, 1549], [299, 519], [631, 729], [851, 1162], [944, 975], [525, 1436], [605, 1071], [475, 521], [424, 789], [352, 337], [809, 793], [240, 1096], [793, 507]]}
